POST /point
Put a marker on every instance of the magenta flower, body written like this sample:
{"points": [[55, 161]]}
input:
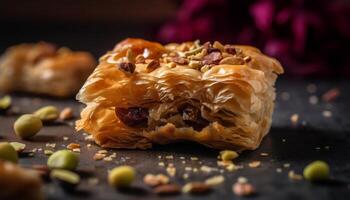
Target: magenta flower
{"points": [[309, 38]]}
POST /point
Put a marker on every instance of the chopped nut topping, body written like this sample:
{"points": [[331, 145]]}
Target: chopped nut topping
{"points": [[205, 68], [230, 49], [130, 56], [212, 58], [127, 67], [154, 64], [140, 59], [72, 146], [218, 45], [195, 64], [193, 51], [247, 58], [232, 60], [155, 180], [179, 60]]}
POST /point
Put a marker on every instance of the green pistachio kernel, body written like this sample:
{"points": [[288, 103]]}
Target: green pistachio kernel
{"points": [[19, 147], [5, 103], [121, 176], [27, 126], [63, 159], [227, 155], [67, 179], [47, 113], [316, 171], [65, 175], [7, 152]]}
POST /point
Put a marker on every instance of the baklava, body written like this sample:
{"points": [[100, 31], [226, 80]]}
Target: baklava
{"points": [[142, 92], [41, 68]]}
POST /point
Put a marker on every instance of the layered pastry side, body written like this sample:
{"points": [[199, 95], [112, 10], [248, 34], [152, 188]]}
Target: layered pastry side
{"points": [[41, 68], [142, 92]]}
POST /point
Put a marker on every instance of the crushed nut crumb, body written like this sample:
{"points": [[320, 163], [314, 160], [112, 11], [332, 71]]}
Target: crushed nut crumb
{"points": [[254, 164], [72, 146]]}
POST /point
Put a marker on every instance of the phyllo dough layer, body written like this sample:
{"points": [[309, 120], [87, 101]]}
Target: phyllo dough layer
{"points": [[142, 92]]}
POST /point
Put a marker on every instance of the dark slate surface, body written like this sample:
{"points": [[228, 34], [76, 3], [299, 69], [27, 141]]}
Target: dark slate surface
{"points": [[315, 137]]}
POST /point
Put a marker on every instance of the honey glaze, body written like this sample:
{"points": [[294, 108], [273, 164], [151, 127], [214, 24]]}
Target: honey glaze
{"points": [[151, 50]]}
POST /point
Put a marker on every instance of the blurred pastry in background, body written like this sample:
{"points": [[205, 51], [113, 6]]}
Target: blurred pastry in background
{"points": [[41, 68], [19, 183]]}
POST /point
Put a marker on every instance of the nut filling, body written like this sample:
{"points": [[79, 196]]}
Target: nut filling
{"points": [[139, 117], [134, 116], [192, 117]]}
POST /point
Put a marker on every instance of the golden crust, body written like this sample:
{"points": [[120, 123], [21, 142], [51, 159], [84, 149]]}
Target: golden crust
{"points": [[236, 98], [42, 69]]}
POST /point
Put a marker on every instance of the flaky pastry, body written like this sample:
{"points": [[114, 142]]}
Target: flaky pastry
{"points": [[42, 69], [142, 92]]}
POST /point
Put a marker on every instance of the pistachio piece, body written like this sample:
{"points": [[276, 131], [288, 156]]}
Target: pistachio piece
{"points": [[316, 171], [212, 58], [193, 52], [19, 147], [227, 155], [195, 64], [47, 113], [130, 56], [232, 60], [7, 152], [63, 159], [121, 176], [218, 45], [154, 64], [5, 103], [27, 126], [67, 179], [230, 49]]}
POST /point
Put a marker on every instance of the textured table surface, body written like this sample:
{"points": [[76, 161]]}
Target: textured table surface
{"points": [[314, 137]]}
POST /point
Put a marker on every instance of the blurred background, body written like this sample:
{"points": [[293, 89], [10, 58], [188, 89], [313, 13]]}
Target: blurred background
{"points": [[310, 38]]}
